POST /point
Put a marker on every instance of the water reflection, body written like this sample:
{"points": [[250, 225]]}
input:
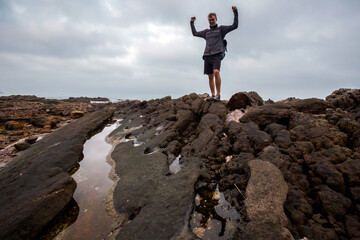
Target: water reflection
{"points": [[93, 185], [214, 217]]}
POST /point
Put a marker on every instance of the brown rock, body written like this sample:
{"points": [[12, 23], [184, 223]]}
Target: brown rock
{"points": [[355, 193], [316, 231], [317, 130], [77, 114], [267, 114], [351, 171], [265, 196], [184, 119], [352, 226], [243, 100], [31, 140], [333, 203], [218, 108], [196, 106], [272, 155], [344, 98], [22, 146], [329, 175], [39, 121], [13, 125], [310, 105], [297, 207]]}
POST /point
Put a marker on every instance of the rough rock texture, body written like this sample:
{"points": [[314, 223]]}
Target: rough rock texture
{"points": [[244, 100], [265, 196], [314, 143], [24, 116], [36, 186], [302, 158]]}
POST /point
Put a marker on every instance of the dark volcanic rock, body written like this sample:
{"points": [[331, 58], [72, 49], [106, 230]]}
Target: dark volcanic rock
{"points": [[310, 147], [22, 146], [243, 100], [333, 203], [157, 203], [36, 185], [267, 114], [344, 98]]}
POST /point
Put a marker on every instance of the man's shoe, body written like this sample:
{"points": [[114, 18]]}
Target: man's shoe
{"points": [[217, 98], [209, 99]]}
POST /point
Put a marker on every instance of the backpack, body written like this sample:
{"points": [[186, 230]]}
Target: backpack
{"points": [[225, 44]]}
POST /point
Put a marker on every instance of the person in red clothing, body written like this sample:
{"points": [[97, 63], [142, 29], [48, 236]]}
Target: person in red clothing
{"points": [[214, 50]]}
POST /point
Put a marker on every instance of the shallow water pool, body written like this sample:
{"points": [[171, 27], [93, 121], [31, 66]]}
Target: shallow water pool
{"points": [[93, 185]]}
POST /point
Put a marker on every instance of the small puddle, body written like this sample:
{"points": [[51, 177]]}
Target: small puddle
{"points": [[214, 217], [93, 185]]}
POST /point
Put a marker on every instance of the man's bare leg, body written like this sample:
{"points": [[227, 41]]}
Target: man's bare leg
{"points": [[217, 81], [212, 84]]}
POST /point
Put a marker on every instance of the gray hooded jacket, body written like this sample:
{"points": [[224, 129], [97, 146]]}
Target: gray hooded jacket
{"points": [[214, 36]]}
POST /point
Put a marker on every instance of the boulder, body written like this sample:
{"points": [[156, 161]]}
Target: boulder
{"points": [[272, 155], [76, 114], [332, 203], [218, 108], [328, 173], [265, 196], [243, 100], [39, 121], [267, 114], [13, 125], [22, 146]]}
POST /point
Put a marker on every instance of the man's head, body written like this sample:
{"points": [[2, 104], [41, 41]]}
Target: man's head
{"points": [[212, 19]]}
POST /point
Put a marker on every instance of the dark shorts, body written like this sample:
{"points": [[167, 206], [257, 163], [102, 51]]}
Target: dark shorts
{"points": [[212, 62]]}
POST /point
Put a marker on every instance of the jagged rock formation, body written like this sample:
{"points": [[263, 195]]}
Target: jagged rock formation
{"points": [[296, 163], [313, 143]]}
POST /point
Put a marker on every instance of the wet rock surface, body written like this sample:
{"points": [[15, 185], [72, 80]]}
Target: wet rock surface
{"points": [[290, 168], [36, 185]]}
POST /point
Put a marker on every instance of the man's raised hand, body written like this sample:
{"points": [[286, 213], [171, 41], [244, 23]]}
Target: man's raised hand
{"points": [[193, 19]]}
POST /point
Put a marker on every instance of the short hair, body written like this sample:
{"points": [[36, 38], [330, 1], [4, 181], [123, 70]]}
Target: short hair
{"points": [[212, 14]]}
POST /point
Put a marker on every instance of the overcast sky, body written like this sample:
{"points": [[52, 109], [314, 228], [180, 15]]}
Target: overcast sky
{"points": [[143, 49]]}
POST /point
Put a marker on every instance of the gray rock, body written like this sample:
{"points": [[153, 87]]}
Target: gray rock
{"points": [[158, 205], [184, 118], [22, 146], [272, 155], [265, 196], [36, 186]]}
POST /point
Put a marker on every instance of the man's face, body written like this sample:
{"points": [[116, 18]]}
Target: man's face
{"points": [[212, 20]]}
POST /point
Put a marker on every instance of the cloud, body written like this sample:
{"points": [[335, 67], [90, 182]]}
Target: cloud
{"points": [[145, 49]]}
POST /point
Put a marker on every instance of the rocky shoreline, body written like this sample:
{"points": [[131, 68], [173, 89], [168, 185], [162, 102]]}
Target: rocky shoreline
{"points": [[290, 168], [23, 119]]}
